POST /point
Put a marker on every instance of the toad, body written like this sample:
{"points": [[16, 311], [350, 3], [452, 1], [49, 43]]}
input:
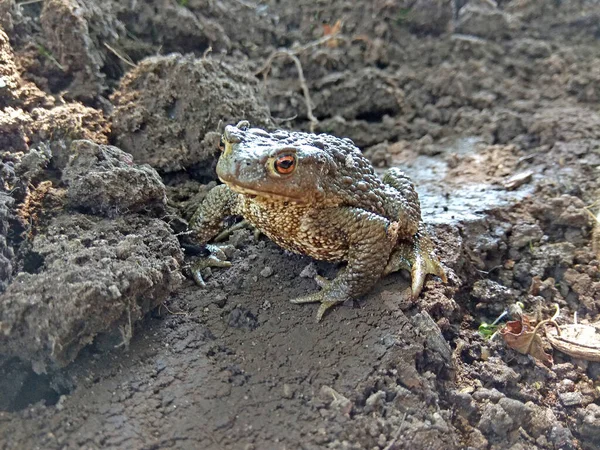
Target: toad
{"points": [[318, 195]]}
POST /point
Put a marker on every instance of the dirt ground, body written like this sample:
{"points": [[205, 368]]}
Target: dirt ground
{"points": [[110, 117]]}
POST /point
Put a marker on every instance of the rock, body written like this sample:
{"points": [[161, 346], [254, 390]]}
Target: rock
{"points": [[240, 317], [485, 22], [464, 404], [310, 271], [13, 376], [570, 398], [50, 314], [519, 412], [517, 180], [437, 351], [428, 16], [177, 28], [495, 421], [168, 109], [589, 422], [524, 234], [562, 438], [493, 294], [493, 395], [496, 372], [531, 48], [104, 180], [266, 272], [8, 9], [8, 182], [379, 155]]}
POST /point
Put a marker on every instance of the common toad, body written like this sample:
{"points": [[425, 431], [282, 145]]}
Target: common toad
{"points": [[318, 195]]}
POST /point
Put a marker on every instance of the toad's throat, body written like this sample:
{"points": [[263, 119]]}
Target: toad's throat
{"points": [[263, 194]]}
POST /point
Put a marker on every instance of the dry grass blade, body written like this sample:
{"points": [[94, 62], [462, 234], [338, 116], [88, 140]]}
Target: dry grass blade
{"points": [[126, 59]]}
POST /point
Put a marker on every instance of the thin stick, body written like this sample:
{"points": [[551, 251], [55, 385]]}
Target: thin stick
{"points": [[29, 2], [127, 60], [392, 443], [291, 54]]}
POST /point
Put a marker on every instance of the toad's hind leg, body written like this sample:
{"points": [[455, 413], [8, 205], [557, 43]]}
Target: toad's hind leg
{"points": [[368, 239], [417, 257]]}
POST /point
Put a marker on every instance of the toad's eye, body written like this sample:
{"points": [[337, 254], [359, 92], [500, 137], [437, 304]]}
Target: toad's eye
{"points": [[285, 164]]}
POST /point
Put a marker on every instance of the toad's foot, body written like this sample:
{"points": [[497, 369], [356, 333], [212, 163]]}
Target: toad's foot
{"points": [[215, 258], [418, 258], [238, 226], [330, 295]]}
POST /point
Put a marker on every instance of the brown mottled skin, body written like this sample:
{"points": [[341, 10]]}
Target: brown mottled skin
{"points": [[329, 205]]}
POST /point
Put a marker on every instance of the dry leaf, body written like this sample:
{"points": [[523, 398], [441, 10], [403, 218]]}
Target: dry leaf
{"points": [[329, 30], [517, 180], [596, 235], [577, 340], [522, 336]]}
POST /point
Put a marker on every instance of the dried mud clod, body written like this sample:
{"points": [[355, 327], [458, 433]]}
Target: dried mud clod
{"points": [[74, 266], [169, 111], [76, 33], [14, 91], [85, 276], [103, 180], [52, 129]]}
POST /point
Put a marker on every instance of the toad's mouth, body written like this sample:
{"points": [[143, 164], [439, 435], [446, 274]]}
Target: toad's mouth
{"points": [[263, 194]]}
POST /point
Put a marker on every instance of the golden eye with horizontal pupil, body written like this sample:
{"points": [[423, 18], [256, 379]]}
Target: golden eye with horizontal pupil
{"points": [[285, 164]]}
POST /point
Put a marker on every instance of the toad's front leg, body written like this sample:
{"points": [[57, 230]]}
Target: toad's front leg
{"points": [[369, 239], [220, 203]]}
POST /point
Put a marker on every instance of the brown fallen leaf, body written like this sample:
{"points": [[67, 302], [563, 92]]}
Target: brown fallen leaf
{"points": [[517, 180], [522, 336], [332, 30], [577, 340]]}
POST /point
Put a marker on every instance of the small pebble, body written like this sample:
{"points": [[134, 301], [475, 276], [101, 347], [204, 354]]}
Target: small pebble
{"points": [[571, 398], [310, 271], [266, 272]]}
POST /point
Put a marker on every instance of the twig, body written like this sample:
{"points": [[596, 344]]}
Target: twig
{"points": [[390, 446], [292, 54], [180, 313], [45, 52], [247, 5], [301, 79], [29, 2], [127, 60]]}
